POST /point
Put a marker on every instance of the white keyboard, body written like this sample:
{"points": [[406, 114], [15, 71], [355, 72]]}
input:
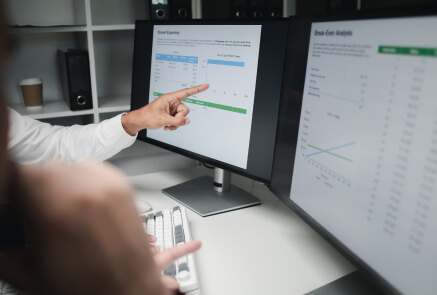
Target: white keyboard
{"points": [[171, 228]]}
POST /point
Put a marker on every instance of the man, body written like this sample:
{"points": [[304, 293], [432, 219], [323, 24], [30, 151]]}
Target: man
{"points": [[90, 241], [32, 142]]}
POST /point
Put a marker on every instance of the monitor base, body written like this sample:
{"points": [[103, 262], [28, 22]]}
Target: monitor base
{"points": [[353, 283], [199, 196]]}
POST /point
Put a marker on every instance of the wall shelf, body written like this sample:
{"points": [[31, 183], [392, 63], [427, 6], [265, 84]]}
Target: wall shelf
{"points": [[57, 29], [51, 109], [113, 27]]}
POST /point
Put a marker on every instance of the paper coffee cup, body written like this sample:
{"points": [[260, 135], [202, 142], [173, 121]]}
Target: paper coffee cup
{"points": [[32, 93]]}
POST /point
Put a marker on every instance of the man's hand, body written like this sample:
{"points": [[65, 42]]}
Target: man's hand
{"points": [[86, 235], [166, 111], [165, 258]]}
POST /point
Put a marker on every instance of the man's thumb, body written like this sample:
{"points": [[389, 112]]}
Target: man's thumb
{"points": [[176, 121]]}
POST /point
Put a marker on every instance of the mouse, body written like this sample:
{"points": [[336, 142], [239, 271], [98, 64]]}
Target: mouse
{"points": [[142, 206]]}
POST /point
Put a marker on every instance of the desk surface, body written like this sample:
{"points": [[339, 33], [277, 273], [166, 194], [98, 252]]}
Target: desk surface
{"points": [[265, 249]]}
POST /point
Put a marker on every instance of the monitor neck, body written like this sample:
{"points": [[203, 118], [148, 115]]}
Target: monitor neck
{"points": [[222, 180]]}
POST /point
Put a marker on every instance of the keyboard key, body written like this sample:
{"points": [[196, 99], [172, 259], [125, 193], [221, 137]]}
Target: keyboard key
{"points": [[179, 234], [183, 272], [183, 266], [151, 226], [182, 260], [171, 270]]}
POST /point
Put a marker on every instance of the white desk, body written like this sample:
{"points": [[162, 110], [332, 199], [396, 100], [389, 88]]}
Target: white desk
{"points": [[265, 249]]}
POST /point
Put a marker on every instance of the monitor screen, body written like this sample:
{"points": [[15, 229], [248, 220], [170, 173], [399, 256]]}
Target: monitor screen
{"points": [[233, 123], [363, 167]]}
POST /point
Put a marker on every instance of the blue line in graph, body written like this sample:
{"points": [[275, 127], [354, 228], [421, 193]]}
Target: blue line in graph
{"points": [[178, 58], [225, 63], [331, 149]]}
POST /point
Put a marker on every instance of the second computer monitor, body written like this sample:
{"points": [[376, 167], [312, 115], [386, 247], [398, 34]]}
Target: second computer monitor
{"points": [[356, 154]]}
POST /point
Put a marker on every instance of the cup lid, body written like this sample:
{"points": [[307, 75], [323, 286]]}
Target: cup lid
{"points": [[30, 81]]}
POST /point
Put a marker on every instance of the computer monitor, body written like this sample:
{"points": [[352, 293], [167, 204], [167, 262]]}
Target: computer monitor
{"points": [[356, 152], [233, 123]]}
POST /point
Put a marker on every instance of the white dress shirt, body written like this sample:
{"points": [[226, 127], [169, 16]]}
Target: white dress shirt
{"points": [[32, 141]]}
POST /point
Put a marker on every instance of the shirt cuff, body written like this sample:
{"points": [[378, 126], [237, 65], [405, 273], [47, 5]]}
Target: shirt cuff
{"points": [[120, 138]]}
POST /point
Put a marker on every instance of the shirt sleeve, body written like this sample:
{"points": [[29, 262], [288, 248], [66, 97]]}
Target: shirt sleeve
{"points": [[32, 141]]}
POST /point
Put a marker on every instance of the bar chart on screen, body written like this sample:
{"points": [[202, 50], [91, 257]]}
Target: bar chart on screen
{"points": [[227, 78]]}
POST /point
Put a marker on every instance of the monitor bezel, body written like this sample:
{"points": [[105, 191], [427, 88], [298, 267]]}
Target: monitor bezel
{"points": [[404, 12], [183, 152]]}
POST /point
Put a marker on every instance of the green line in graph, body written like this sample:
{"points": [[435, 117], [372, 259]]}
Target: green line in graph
{"points": [[210, 104], [332, 154], [216, 106]]}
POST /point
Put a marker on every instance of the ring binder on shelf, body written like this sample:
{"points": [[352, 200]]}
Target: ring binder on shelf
{"points": [[274, 9], [76, 79], [257, 9], [239, 9], [181, 10], [159, 10]]}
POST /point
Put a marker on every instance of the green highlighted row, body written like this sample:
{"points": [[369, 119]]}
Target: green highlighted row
{"points": [[216, 106], [210, 104], [414, 51]]}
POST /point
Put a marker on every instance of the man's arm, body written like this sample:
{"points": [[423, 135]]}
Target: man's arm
{"points": [[32, 141]]}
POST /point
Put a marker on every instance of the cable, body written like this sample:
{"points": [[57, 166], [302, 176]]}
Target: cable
{"points": [[208, 166]]}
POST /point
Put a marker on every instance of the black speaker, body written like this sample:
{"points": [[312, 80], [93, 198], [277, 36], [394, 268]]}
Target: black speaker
{"points": [[274, 9], [239, 9], [76, 79], [181, 10], [159, 9]]}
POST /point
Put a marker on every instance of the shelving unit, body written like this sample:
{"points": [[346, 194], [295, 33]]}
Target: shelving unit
{"points": [[103, 27], [106, 29]]}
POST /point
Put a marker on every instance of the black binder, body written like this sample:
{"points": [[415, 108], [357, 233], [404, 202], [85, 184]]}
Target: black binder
{"points": [[76, 79], [159, 9], [274, 9], [257, 9], [181, 10], [240, 9]]}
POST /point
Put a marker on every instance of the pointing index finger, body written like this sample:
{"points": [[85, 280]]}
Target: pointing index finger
{"points": [[164, 259], [184, 93]]}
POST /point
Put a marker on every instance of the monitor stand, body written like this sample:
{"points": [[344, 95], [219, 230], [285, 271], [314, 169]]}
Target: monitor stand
{"points": [[207, 196]]}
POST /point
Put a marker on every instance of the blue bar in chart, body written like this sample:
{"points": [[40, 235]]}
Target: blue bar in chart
{"points": [[225, 63]]}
